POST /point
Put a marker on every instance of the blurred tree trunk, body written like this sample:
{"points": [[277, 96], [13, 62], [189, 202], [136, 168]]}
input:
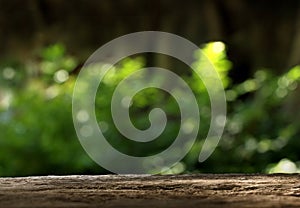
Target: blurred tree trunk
{"points": [[258, 33]]}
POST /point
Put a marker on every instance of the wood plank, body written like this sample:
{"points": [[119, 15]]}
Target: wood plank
{"points": [[204, 190]]}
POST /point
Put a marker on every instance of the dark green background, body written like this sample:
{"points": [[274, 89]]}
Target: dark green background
{"points": [[44, 44]]}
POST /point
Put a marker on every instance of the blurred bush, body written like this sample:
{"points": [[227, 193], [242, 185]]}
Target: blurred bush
{"points": [[38, 137]]}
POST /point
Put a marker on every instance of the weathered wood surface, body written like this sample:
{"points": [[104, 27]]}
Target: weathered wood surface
{"points": [[203, 190]]}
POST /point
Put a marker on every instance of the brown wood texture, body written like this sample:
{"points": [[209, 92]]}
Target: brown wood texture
{"points": [[204, 190]]}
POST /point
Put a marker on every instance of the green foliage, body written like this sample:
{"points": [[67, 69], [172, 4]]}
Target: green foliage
{"points": [[260, 129], [37, 133], [38, 137]]}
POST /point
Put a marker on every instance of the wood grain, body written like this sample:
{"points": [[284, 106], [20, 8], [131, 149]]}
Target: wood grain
{"points": [[204, 190]]}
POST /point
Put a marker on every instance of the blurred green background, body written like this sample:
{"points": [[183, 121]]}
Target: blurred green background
{"points": [[261, 81]]}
